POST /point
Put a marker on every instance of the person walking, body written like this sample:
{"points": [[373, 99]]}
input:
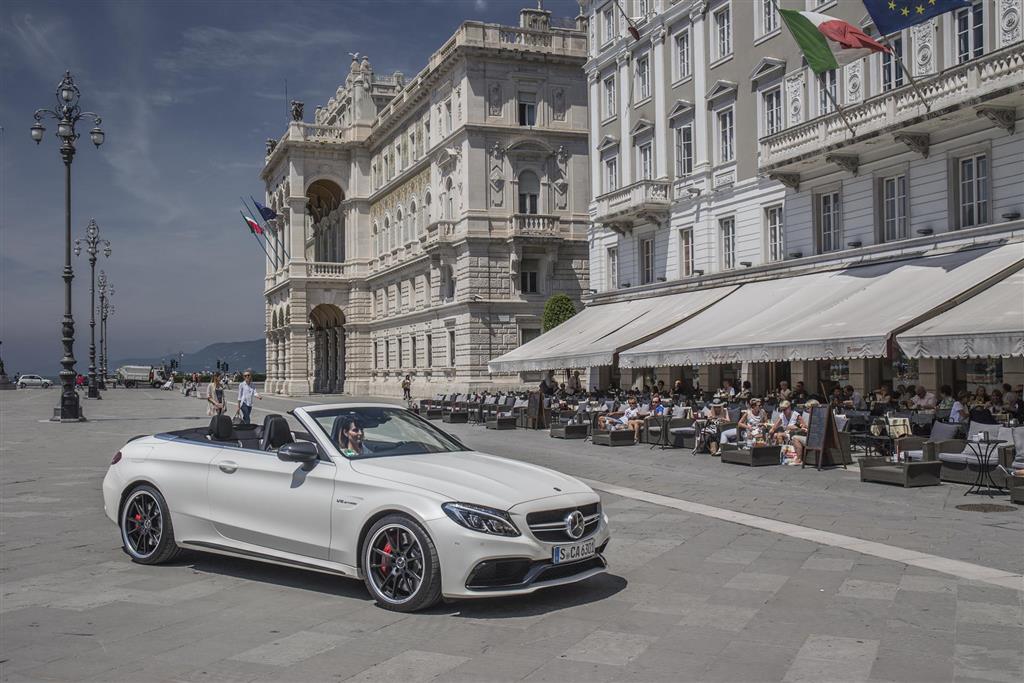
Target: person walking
{"points": [[215, 396], [246, 393], [407, 388]]}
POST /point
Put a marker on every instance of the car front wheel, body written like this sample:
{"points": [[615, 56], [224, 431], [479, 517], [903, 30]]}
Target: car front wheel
{"points": [[400, 565], [146, 531]]}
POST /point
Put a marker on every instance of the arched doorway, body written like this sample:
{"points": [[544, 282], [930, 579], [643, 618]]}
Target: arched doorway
{"points": [[327, 327], [323, 197]]}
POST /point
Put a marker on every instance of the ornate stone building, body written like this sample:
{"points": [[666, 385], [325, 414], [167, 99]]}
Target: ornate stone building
{"points": [[424, 221]]}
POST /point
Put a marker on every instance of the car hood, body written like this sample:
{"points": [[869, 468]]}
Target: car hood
{"points": [[472, 477]]}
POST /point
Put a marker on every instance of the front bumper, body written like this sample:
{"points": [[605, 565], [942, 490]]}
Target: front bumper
{"points": [[477, 565]]}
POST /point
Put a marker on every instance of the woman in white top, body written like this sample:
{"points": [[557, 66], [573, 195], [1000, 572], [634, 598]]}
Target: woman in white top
{"points": [[752, 420], [959, 413]]}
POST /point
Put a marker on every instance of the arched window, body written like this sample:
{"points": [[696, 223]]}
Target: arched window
{"points": [[376, 239], [399, 228], [448, 283], [426, 209], [386, 240], [529, 189], [413, 222], [449, 201]]}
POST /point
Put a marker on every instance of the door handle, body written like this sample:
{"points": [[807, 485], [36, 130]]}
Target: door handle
{"points": [[228, 467]]}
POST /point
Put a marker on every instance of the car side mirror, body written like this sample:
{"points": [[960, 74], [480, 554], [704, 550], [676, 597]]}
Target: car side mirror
{"points": [[299, 451]]}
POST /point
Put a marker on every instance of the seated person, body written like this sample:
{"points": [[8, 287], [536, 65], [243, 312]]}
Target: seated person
{"points": [[853, 399], [656, 406], [799, 393], [630, 417], [958, 412], [922, 399], [727, 390], [745, 391], [784, 391], [717, 415], [677, 388], [946, 398], [788, 427], [350, 438], [751, 423]]}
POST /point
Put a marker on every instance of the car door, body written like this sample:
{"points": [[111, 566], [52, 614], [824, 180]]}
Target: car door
{"points": [[256, 498]]}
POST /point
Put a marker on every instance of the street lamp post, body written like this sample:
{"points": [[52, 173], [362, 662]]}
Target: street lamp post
{"points": [[68, 114], [105, 309], [92, 242]]}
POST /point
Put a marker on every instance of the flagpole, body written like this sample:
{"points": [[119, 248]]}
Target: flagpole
{"points": [[251, 232], [266, 223], [273, 259], [832, 99], [903, 68]]}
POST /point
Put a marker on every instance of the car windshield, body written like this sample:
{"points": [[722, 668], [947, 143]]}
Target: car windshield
{"points": [[372, 432]]}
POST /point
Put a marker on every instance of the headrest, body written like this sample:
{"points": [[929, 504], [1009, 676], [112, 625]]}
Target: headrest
{"points": [[221, 428], [276, 433]]}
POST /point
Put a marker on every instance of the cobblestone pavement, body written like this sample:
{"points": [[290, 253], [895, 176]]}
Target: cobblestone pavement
{"points": [[689, 597]]}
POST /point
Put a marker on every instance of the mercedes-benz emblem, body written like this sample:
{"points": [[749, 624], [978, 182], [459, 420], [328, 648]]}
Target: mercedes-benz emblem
{"points": [[574, 524]]}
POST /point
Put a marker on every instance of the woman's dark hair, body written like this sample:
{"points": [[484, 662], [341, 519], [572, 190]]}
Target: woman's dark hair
{"points": [[946, 390], [346, 424]]}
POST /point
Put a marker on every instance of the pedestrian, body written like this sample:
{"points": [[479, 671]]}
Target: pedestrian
{"points": [[215, 396], [246, 392], [407, 388]]}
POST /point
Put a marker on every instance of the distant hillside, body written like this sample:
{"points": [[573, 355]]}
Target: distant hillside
{"points": [[238, 355]]}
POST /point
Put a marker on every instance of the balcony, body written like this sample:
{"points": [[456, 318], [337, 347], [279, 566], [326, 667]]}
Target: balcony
{"points": [[437, 233], [534, 225], [334, 271], [646, 201], [987, 87]]}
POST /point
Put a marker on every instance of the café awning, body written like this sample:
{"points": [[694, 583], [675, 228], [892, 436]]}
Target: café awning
{"points": [[989, 324], [594, 335], [848, 313]]}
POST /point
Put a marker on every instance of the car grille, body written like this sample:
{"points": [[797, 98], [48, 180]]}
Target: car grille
{"points": [[549, 525]]}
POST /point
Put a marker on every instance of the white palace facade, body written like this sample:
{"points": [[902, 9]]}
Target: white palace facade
{"points": [[426, 220]]}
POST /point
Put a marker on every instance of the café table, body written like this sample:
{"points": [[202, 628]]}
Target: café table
{"points": [[983, 450]]}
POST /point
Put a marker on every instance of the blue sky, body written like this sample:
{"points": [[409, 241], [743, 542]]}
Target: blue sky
{"points": [[188, 92]]}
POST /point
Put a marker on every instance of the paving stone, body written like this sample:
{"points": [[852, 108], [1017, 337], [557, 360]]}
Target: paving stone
{"points": [[830, 658], [412, 666], [828, 564], [755, 581], [607, 647], [290, 649], [872, 590]]}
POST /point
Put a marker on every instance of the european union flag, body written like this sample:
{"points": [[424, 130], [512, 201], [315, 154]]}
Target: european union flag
{"points": [[891, 16]]}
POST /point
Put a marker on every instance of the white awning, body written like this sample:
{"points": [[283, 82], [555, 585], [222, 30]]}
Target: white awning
{"points": [[848, 313], [593, 336], [988, 324]]}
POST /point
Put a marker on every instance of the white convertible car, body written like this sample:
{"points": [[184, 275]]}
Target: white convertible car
{"points": [[368, 491]]}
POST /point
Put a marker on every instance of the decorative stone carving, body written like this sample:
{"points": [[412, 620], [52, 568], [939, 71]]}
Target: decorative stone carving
{"points": [[917, 142], [494, 100], [560, 178], [923, 39], [558, 104], [848, 162], [457, 96], [271, 144], [297, 108], [795, 97], [790, 180], [855, 82], [1009, 21], [496, 175], [1004, 117]]}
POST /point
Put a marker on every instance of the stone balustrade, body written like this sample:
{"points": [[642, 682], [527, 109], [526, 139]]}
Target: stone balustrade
{"points": [[534, 224], [334, 271], [632, 202]]}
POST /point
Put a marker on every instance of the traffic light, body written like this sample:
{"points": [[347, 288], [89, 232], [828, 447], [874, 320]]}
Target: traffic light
{"points": [[225, 367], [218, 363]]}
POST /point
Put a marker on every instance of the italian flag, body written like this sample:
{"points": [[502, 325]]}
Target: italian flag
{"points": [[827, 42], [254, 227]]}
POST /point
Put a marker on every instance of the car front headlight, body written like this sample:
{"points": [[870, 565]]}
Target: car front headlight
{"points": [[479, 518]]}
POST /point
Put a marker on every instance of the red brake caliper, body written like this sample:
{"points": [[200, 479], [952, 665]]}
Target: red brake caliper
{"points": [[138, 517], [384, 564]]}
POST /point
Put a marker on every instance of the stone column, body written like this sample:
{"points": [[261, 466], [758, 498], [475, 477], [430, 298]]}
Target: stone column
{"points": [[700, 111], [624, 62], [595, 122], [660, 112]]}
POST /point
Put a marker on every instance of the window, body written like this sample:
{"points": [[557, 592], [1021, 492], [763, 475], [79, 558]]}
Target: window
{"points": [[608, 23], [447, 283], [430, 351], [412, 352], [646, 260], [448, 118], [771, 102], [387, 353], [376, 356], [426, 132], [528, 334], [723, 33], [892, 74], [973, 191], [642, 8], [970, 33], [684, 150], [414, 150], [451, 348], [643, 77], [400, 359], [683, 54], [527, 109], [894, 208], [528, 277], [826, 86], [529, 188], [611, 174], [769, 17], [613, 268], [829, 229], [773, 225], [726, 136], [646, 158], [686, 252], [449, 201], [609, 97], [727, 228]]}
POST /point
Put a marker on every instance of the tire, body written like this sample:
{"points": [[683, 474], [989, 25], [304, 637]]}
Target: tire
{"points": [[21, 385], [393, 581], [145, 523]]}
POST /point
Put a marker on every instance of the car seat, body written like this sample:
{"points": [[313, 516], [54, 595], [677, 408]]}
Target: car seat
{"points": [[276, 433], [221, 428]]}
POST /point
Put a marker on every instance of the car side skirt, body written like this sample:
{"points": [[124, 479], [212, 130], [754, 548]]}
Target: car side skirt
{"points": [[325, 568]]}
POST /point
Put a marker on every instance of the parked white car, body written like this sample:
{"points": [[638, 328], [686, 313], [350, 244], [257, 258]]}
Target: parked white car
{"points": [[33, 381], [368, 491]]}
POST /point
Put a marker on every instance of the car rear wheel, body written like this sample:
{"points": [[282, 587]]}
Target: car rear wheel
{"points": [[400, 565], [146, 527]]}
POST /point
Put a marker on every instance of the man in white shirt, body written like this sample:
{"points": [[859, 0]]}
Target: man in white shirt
{"points": [[922, 399], [246, 393]]}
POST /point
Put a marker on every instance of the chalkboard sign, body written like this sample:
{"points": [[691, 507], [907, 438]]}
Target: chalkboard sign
{"points": [[822, 438]]}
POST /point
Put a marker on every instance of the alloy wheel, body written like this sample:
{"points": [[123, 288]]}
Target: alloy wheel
{"points": [[395, 563], [142, 524]]}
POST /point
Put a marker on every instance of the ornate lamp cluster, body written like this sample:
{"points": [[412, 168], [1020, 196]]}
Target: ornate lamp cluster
{"points": [[104, 308], [92, 242]]}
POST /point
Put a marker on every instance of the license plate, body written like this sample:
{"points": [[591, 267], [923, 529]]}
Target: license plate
{"points": [[561, 554]]}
